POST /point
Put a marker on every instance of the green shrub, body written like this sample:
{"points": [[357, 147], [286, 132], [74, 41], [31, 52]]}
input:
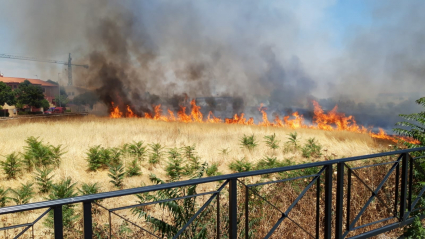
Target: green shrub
{"points": [[193, 161], [44, 179], [56, 154], [94, 157], [136, 149], [23, 194], [311, 149], [271, 141], [212, 170], [175, 167], [64, 189], [3, 197], [133, 169], [240, 165], [116, 173], [89, 188], [268, 162], [156, 153], [12, 166], [41, 155], [114, 156], [248, 142], [293, 141]]}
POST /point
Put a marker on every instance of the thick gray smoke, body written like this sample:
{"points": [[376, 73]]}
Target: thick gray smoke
{"points": [[277, 53]]}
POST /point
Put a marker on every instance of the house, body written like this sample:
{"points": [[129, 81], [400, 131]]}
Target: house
{"points": [[50, 90]]}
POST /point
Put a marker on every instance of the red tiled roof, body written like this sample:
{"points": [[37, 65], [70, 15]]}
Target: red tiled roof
{"points": [[20, 80]]}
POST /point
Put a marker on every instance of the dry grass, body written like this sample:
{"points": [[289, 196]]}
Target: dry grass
{"points": [[78, 134]]}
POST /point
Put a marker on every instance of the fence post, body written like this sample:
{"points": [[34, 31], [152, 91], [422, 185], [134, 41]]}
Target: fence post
{"points": [[403, 193], [57, 221], [88, 227], [233, 209], [339, 200], [328, 202]]}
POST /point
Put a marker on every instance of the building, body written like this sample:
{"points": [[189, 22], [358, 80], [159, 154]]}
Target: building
{"points": [[50, 90]]}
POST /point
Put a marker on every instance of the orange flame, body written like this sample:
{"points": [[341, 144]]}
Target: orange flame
{"points": [[332, 120]]}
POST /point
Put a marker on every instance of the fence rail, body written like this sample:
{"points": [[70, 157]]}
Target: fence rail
{"points": [[336, 220]]}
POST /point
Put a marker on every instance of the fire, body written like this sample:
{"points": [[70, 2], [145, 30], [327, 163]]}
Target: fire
{"points": [[331, 121]]}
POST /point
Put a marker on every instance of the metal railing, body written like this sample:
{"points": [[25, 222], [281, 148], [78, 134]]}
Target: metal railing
{"points": [[333, 217]]}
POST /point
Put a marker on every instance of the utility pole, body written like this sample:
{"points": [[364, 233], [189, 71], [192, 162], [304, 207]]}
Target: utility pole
{"points": [[59, 89], [69, 70]]}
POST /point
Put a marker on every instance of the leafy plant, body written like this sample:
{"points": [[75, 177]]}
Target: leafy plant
{"points": [[414, 230], [180, 210], [240, 165], [271, 141], [114, 156], [192, 159], [94, 157], [156, 153], [311, 149], [213, 170], [11, 166], [413, 130], [268, 162], [64, 189], [248, 142], [56, 154], [116, 173], [89, 188], [39, 154], [136, 149], [44, 179], [3, 197], [293, 140], [133, 169], [23, 194], [175, 168]]}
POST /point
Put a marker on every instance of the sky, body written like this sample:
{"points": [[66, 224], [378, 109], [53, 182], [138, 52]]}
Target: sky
{"points": [[337, 17]]}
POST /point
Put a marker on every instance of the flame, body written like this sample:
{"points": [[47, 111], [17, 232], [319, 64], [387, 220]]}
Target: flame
{"points": [[331, 121]]}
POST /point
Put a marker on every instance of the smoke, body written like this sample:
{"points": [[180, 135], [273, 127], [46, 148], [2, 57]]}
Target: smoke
{"points": [[277, 53]]}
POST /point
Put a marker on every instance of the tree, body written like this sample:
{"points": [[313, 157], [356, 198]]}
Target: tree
{"points": [[6, 94], [87, 98], [414, 130], [31, 95]]}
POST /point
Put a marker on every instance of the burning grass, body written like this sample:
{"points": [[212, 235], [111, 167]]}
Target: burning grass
{"points": [[216, 144]]}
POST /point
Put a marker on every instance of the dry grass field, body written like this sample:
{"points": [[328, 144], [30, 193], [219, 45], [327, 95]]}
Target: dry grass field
{"points": [[79, 134]]}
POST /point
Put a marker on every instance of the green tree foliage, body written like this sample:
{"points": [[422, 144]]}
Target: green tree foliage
{"points": [[3, 197], [23, 194], [180, 210], [12, 166], [44, 179], [312, 149], [29, 94], [293, 141], [39, 154], [248, 142], [175, 167], [193, 160], [415, 126], [240, 165], [116, 173], [213, 170], [6, 94], [136, 149], [64, 189], [99, 157]]}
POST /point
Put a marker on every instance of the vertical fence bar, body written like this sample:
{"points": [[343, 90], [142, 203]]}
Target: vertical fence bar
{"points": [[339, 200], [403, 193], [397, 182], [233, 208], [110, 225], [318, 207], [328, 202], [348, 199], [246, 213], [218, 216], [88, 224], [32, 229], [57, 221], [410, 182]]}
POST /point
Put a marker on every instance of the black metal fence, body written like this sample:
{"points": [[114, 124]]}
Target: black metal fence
{"points": [[334, 186]]}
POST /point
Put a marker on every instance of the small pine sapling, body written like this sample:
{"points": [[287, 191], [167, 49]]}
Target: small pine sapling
{"points": [[12, 166], [23, 194], [3, 197], [311, 149], [175, 166], [136, 149], [133, 169], [240, 165], [44, 179], [56, 153], [213, 170], [293, 141], [272, 142], [192, 159], [248, 142], [116, 173], [156, 153], [94, 158], [115, 156]]}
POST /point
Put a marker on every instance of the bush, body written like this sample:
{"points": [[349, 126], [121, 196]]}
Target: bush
{"points": [[174, 168], [133, 169], [136, 149], [89, 188], [156, 153], [240, 165], [268, 162], [293, 141], [311, 149], [212, 170], [3, 197], [94, 158], [99, 157], [248, 142], [41, 155], [44, 179], [64, 189], [11, 166], [116, 173], [192, 159], [271, 141], [23, 194]]}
